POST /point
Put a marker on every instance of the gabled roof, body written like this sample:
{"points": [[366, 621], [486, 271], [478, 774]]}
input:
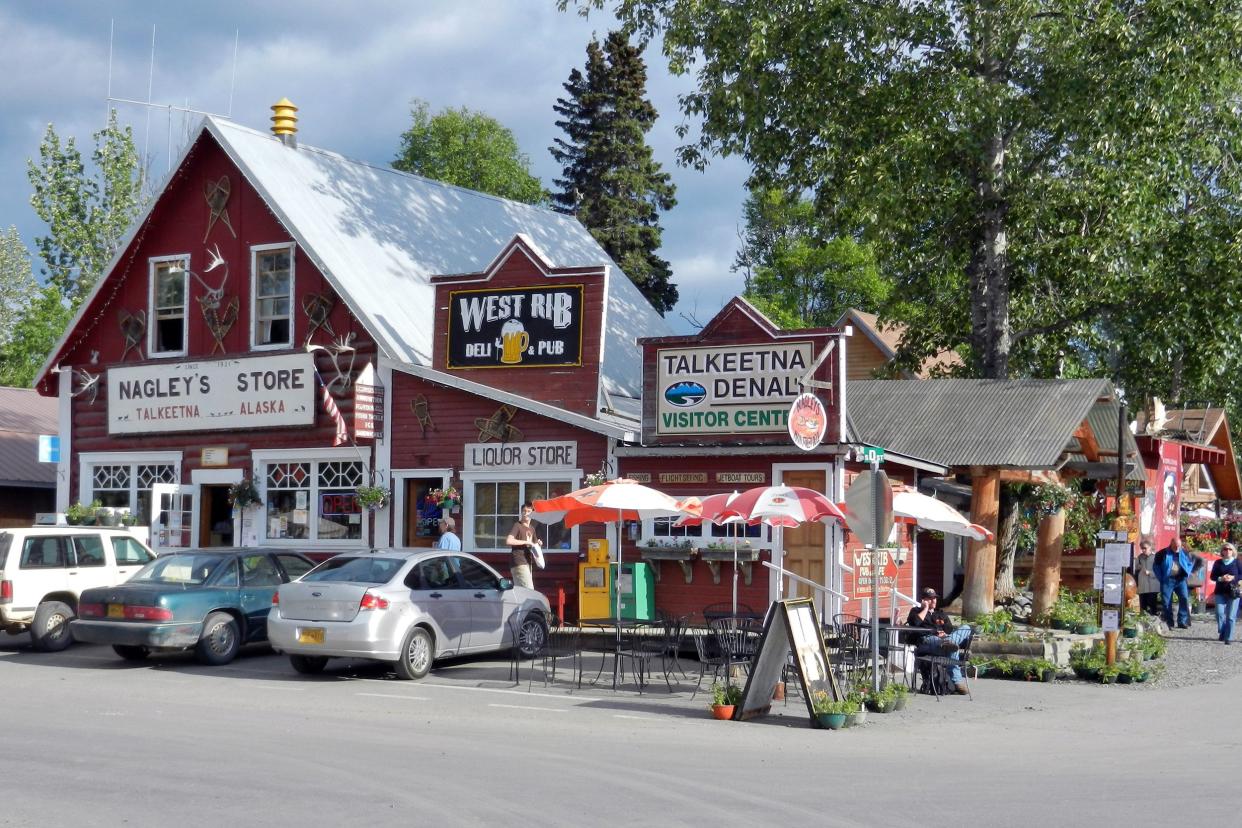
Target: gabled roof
{"points": [[887, 339], [24, 415], [379, 235], [1020, 424], [1210, 427]]}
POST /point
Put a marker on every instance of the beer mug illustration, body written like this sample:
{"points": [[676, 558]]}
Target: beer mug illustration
{"points": [[513, 342]]}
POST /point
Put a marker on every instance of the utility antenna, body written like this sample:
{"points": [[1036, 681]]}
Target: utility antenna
{"points": [[169, 108]]}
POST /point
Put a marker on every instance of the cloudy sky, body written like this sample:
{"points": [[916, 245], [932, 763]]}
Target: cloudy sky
{"points": [[352, 69]]}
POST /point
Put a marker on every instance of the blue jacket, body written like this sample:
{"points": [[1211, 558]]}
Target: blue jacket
{"points": [[1188, 561]]}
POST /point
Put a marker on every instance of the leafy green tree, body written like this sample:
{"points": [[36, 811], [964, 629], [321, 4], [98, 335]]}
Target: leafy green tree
{"points": [[34, 336], [1021, 166], [468, 149], [87, 213], [796, 271], [17, 284], [610, 179]]}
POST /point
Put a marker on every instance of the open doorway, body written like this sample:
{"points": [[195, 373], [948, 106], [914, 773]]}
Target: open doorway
{"points": [[422, 515], [215, 516]]}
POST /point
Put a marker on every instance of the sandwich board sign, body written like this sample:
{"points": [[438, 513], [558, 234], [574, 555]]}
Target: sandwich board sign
{"points": [[791, 626]]}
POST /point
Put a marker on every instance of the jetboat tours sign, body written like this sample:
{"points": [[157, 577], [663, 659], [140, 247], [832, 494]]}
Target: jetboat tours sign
{"points": [[729, 389], [515, 328], [266, 392]]}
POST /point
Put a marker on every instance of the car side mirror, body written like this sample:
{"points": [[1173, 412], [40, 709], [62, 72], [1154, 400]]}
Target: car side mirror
{"points": [[505, 584]]}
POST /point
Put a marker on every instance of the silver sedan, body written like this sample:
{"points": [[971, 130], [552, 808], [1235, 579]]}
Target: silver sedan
{"points": [[408, 607]]}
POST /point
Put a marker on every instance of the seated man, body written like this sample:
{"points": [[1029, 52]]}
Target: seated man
{"points": [[943, 638]]}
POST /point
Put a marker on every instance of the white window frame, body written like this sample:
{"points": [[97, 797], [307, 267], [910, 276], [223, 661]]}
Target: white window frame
{"points": [[88, 460], [152, 321], [399, 477], [255, 250], [261, 458], [523, 476]]}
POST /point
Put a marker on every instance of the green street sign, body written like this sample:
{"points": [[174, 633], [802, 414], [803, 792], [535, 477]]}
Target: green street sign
{"points": [[871, 454]]}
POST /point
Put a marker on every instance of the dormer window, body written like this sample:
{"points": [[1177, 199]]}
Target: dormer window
{"points": [[169, 282], [271, 268]]}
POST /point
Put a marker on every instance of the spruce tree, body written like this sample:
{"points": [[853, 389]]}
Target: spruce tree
{"points": [[610, 180]]}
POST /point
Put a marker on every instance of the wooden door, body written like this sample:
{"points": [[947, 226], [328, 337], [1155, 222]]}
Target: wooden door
{"points": [[804, 546]]}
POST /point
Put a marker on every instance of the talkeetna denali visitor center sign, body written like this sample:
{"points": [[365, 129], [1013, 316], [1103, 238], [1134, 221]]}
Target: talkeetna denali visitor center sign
{"points": [[729, 389], [515, 327], [265, 392]]}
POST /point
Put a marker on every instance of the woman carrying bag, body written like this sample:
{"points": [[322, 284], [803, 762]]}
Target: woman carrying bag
{"points": [[1227, 575]]}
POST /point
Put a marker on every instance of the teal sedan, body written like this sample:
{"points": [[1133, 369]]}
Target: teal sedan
{"points": [[213, 600]]}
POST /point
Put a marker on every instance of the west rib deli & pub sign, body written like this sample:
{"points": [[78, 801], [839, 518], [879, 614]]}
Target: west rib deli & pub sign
{"points": [[515, 327]]}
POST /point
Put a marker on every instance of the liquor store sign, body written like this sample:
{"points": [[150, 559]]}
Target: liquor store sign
{"points": [[521, 455], [268, 392], [515, 328], [729, 389]]}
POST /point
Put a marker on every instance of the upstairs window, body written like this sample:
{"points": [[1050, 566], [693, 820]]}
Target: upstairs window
{"points": [[272, 289], [168, 311]]}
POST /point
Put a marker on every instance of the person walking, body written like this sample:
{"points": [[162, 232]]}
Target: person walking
{"points": [[1227, 575], [1145, 580], [1172, 566], [521, 542]]}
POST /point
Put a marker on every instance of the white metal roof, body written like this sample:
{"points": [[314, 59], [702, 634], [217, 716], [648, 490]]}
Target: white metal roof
{"points": [[379, 235]]}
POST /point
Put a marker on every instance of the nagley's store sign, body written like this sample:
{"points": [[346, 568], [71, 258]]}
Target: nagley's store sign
{"points": [[212, 396], [729, 389], [515, 328]]}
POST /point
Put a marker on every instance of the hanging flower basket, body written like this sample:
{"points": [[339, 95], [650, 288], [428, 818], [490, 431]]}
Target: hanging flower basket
{"points": [[373, 497], [446, 499], [243, 493]]}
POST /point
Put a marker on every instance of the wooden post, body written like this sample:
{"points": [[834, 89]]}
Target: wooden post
{"points": [[1046, 573], [980, 574]]}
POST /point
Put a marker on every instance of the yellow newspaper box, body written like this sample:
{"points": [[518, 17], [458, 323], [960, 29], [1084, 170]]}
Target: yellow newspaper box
{"points": [[593, 577]]}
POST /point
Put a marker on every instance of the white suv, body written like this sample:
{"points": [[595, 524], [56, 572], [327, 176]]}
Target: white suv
{"points": [[44, 569]]}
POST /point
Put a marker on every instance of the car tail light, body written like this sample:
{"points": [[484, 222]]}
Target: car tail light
{"points": [[148, 614], [372, 602], [275, 599], [90, 610], [6, 591]]}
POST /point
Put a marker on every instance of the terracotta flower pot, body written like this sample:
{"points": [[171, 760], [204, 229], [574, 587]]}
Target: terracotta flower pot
{"points": [[723, 712], [778, 692]]}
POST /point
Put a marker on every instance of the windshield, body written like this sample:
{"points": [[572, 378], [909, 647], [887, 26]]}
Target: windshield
{"points": [[191, 568], [355, 570]]}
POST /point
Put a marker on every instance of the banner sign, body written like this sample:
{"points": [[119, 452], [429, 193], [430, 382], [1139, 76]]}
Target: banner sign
{"points": [[865, 575], [264, 392], [505, 456], [729, 389], [368, 405], [808, 421], [526, 327]]}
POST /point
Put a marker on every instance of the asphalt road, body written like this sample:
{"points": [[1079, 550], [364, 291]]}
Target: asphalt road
{"points": [[87, 739]]}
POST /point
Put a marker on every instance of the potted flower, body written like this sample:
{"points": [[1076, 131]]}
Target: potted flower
{"points": [[857, 716], [725, 699], [900, 694], [830, 714], [129, 519], [446, 499], [373, 497], [79, 514], [881, 701], [106, 517], [243, 494]]}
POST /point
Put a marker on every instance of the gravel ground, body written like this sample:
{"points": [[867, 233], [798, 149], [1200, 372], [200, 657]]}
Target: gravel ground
{"points": [[1195, 656]]}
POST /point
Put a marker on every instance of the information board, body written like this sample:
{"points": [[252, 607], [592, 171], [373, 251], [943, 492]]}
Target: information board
{"points": [[790, 626]]}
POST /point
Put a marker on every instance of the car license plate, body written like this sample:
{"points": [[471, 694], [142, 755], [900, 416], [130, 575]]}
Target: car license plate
{"points": [[116, 611], [310, 635]]}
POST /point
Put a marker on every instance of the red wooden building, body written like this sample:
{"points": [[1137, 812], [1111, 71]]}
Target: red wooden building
{"points": [[309, 323]]}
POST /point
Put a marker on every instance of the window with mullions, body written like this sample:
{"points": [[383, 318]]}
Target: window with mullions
{"points": [[168, 295], [128, 485], [273, 296], [314, 500], [496, 507], [663, 527]]}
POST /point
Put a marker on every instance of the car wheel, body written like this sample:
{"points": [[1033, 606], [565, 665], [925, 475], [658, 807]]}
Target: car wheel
{"points": [[131, 652], [532, 634], [220, 640], [50, 630], [308, 665], [417, 653]]}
